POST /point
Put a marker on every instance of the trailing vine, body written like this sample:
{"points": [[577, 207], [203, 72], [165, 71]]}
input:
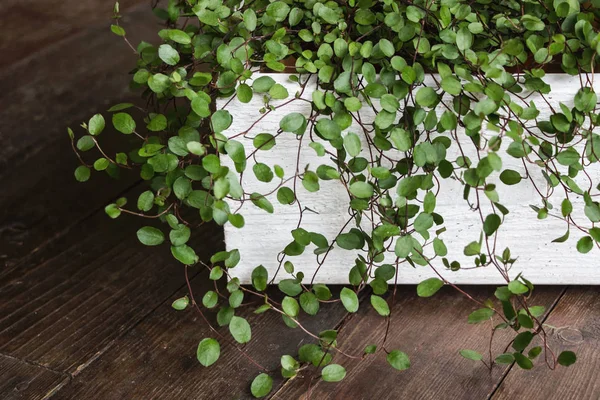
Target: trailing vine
{"points": [[403, 96]]}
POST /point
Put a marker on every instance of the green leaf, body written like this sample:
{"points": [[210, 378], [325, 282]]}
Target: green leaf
{"points": [[585, 244], [260, 275], [352, 104], [145, 201], [333, 373], [96, 125], [451, 85], [516, 287], [200, 106], [158, 83], [567, 358], [150, 236], [244, 93], [349, 300], [506, 358], [158, 122], [82, 173], [221, 120], [523, 361], [210, 299], [480, 315], [362, 190], [429, 287], [123, 122], [179, 36], [290, 287], [328, 129], [522, 340], [585, 100], [292, 122], [278, 92], [464, 39], [117, 30], [180, 236], [208, 352], [261, 385], [278, 10], [184, 254], [491, 224], [352, 144], [471, 354], [380, 305], [309, 303], [426, 97], [399, 360], [263, 84], [386, 47], [261, 202], [181, 303], [285, 195], [240, 329], [510, 177], [168, 54], [290, 306]]}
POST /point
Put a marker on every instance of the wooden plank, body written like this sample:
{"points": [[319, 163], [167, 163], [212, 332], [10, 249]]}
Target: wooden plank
{"points": [[40, 205], [93, 285], [529, 239], [574, 325], [431, 331], [65, 86], [156, 359], [24, 381], [58, 88], [29, 26]]}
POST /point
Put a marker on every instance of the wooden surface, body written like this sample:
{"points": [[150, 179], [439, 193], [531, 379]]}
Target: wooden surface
{"points": [[529, 239], [85, 310]]}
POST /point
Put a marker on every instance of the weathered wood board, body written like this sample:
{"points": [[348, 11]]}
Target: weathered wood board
{"points": [[265, 235]]}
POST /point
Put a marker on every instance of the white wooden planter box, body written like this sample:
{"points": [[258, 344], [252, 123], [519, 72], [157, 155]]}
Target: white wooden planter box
{"points": [[265, 235]]}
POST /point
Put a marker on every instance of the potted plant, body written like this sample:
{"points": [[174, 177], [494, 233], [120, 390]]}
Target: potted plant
{"points": [[361, 125]]}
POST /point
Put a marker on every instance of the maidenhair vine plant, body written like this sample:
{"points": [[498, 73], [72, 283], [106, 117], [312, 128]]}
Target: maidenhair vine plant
{"points": [[439, 76]]}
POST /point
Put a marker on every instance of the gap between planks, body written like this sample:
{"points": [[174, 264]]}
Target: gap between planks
{"points": [[510, 368]]}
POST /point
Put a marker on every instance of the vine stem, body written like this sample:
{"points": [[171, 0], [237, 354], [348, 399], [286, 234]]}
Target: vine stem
{"points": [[212, 328]]}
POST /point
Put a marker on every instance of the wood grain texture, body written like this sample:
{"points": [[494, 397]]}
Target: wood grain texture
{"points": [[529, 239], [431, 331], [93, 285], [65, 86], [22, 381], [156, 359], [31, 26], [575, 326], [62, 86]]}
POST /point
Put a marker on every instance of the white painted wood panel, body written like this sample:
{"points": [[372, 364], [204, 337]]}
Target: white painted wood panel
{"points": [[265, 235]]}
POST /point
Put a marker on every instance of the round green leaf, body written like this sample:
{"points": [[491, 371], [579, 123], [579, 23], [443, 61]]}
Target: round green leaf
{"points": [[333, 373], [292, 122], [150, 236], [96, 125], [82, 173], [168, 54], [349, 300], [240, 329], [399, 360], [567, 358], [362, 190], [429, 287], [380, 305], [261, 385], [426, 97], [208, 352]]}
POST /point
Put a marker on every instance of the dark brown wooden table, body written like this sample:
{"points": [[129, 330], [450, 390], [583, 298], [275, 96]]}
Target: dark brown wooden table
{"points": [[85, 310]]}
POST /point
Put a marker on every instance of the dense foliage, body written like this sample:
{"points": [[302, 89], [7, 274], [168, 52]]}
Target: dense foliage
{"points": [[481, 61]]}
